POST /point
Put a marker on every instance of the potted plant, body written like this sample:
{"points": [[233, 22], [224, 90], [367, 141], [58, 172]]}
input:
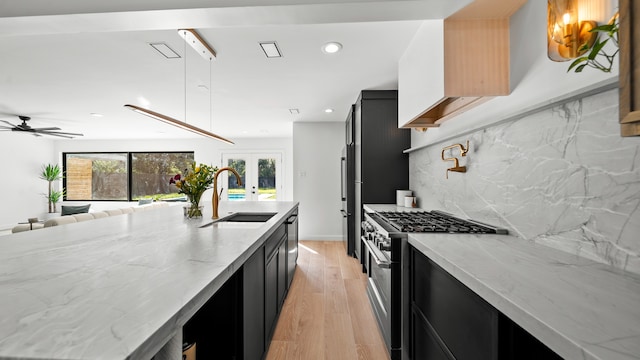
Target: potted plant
{"points": [[52, 173], [598, 58]]}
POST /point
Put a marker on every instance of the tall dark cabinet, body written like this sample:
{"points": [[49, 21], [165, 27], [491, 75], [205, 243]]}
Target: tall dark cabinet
{"points": [[380, 165]]}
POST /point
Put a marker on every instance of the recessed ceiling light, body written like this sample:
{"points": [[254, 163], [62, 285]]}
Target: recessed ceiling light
{"points": [[270, 49], [96, 115], [165, 50], [331, 47], [328, 110]]}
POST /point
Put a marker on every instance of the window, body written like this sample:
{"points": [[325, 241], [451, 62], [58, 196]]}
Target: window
{"points": [[122, 176]]}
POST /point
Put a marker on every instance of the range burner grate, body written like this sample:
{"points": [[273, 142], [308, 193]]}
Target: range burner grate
{"points": [[435, 222]]}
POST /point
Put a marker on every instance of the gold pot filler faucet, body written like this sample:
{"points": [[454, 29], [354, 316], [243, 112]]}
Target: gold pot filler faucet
{"points": [[216, 198], [456, 166]]}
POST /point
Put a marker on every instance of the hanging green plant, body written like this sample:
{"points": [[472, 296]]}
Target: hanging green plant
{"points": [[592, 58]]}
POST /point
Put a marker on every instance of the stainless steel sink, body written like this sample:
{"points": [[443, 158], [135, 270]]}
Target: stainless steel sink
{"points": [[243, 217], [248, 217]]}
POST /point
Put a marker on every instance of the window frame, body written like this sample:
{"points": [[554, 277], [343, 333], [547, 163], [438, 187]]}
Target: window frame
{"points": [[129, 155]]}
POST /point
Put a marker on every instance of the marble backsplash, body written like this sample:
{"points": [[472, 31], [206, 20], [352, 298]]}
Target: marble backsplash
{"points": [[562, 177]]}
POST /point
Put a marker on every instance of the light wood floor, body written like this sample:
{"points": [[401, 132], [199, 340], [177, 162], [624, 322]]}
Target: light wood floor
{"points": [[327, 314]]}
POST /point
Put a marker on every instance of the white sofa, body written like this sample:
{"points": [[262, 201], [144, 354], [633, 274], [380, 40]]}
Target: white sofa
{"points": [[70, 219]]}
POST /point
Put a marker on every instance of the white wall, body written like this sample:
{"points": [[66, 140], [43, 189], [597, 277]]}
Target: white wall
{"points": [[22, 191], [317, 148]]}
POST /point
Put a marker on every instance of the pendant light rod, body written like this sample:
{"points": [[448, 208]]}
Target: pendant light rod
{"points": [[171, 121]]}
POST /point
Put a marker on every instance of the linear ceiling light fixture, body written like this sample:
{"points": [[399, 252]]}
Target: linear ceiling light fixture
{"points": [[270, 49], [192, 38], [177, 123]]}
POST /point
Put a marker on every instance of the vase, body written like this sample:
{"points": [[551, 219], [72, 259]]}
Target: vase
{"points": [[193, 210]]}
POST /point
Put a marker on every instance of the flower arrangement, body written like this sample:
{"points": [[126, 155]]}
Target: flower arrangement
{"points": [[193, 183]]}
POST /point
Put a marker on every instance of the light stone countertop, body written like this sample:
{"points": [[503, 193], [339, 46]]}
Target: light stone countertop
{"points": [[579, 308], [121, 286]]}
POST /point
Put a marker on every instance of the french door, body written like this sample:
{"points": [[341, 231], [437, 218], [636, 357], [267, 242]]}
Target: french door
{"points": [[261, 175]]}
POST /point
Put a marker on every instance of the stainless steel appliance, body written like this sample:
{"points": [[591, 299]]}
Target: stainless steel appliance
{"points": [[347, 188], [292, 246], [384, 238]]}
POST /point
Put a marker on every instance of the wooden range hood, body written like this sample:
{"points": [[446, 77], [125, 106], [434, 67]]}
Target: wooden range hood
{"points": [[475, 65]]}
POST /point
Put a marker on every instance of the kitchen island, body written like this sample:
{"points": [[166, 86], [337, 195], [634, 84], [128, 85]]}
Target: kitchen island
{"points": [[120, 287]]}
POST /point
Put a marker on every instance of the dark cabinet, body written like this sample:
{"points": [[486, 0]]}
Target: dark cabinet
{"points": [[216, 326], [282, 272], [379, 163], [275, 278], [270, 296], [460, 321], [449, 321], [253, 306]]}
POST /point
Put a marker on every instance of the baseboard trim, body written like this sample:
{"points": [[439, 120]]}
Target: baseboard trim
{"points": [[321, 237]]}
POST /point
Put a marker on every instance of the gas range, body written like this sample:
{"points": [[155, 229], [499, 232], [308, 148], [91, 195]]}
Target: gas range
{"points": [[435, 222]]}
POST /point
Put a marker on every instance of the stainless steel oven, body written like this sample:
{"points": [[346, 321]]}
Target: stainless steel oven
{"points": [[384, 240], [383, 248]]}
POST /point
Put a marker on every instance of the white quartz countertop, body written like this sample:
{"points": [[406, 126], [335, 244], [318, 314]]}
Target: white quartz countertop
{"points": [[121, 286], [579, 308]]}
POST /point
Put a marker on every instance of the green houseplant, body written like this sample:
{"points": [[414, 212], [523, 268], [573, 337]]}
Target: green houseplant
{"points": [[597, 58], [52, 173]]}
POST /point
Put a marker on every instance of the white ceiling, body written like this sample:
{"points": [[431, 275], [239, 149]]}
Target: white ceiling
{"points": [[62, 60]]}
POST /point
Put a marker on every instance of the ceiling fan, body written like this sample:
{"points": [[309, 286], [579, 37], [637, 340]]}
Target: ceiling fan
{"points": [[53, 131]]}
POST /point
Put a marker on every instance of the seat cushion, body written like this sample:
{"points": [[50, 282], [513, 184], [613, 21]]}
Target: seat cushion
{"points": [[113, 212], [26, 227], [83, 217], [62, 220], [71, 210], [100, 214]]}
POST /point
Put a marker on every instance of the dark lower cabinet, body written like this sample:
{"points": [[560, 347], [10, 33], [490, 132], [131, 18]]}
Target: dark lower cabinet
{"points": [[449, 321], [424, 344], [275, 279], [253, 285], [216, 327], [270, 296], [238, 321], [282, 272]]}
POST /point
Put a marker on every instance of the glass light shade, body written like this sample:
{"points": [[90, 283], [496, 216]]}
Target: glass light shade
{"points": [[568, 36]]}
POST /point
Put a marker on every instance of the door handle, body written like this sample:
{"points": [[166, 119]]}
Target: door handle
{"points": [[376, 254], [344, 213]]}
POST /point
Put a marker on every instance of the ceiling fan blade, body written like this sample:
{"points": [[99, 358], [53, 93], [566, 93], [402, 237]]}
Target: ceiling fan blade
{"points": [[62, 135], [46, 129], [6, 122], [60, 132]]}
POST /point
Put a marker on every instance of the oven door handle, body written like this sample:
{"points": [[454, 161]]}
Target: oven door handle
{"points": [[377, 255]]}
